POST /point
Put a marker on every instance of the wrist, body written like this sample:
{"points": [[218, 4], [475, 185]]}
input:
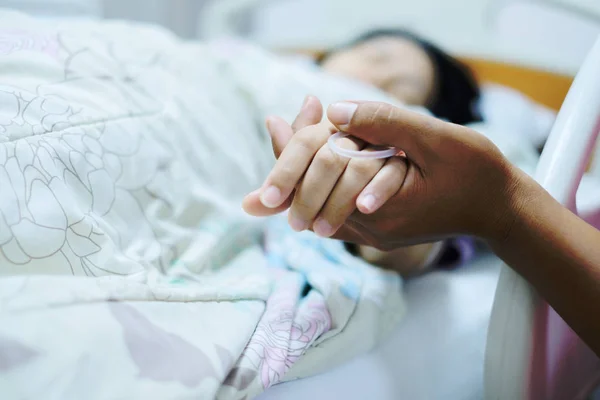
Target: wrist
{"points": [[520, 206], [518, 194]]}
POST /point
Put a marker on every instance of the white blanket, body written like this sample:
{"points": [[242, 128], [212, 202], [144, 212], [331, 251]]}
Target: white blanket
{"points": [[127, 268]]}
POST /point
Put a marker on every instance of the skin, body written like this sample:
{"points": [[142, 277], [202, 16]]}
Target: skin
{"points": [[458, 182], [401, 68], [322, 204], [395, 65]]}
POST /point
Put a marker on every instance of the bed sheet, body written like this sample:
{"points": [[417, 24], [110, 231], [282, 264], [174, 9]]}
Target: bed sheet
{"points": [[437, 352]]}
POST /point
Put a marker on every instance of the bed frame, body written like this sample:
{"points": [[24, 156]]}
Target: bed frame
{"points": [[531, 353]]}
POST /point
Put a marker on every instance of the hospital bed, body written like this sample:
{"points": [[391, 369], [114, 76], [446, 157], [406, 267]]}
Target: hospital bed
{"points": [[444, 349]]}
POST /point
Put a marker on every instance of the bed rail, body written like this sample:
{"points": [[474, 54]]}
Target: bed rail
{"points": [[531, 353]]}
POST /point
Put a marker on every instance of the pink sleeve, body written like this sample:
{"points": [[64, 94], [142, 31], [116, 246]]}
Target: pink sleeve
{"points": [[456, 252]]}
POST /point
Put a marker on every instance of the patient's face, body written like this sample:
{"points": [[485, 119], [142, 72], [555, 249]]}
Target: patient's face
{"points": [[396, 65]]}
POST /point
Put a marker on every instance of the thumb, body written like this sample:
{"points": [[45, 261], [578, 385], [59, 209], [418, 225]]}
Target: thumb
{"points": [[385, 124]]}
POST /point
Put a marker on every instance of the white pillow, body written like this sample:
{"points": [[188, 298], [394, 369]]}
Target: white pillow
{"points": [[517, 149], [516, 114]]}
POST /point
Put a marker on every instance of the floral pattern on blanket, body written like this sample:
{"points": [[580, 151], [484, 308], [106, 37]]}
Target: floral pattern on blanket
{"points": [[20, 40], [124, 256], [61, 176], [288, 327]]}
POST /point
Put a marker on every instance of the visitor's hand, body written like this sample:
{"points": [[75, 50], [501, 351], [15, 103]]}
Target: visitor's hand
{"points": [[457, 181]]}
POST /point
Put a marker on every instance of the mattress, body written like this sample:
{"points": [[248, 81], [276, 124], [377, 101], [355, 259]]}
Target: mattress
{"points": [[437, 352]]}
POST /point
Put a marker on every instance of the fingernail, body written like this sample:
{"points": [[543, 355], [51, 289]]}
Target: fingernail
{"points": [[297, 224], [271, 197], [368, 202], [323, 228], [342, 113]]}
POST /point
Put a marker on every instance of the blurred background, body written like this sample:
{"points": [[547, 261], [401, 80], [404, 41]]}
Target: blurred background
{"points": [[546, 34], [533, 47]]}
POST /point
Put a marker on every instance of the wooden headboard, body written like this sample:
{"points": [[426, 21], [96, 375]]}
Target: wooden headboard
{"points": [[544, 87]]}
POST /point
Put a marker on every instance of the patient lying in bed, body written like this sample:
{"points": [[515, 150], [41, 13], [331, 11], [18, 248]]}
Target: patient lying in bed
{"points": [[124, 156], [420, 74]]}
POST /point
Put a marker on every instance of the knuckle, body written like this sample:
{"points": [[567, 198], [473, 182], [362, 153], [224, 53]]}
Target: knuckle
{"points": [[306, 142], [428, 125], [363, 169], [304, 207], [284, 175], [327, 159], [312, 137], [301, 204], [374, 118], [336, 212], [388, 114], [383, 114]]}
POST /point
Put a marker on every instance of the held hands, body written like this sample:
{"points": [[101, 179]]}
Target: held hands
{"points": [[452, 181], [321, 187]]}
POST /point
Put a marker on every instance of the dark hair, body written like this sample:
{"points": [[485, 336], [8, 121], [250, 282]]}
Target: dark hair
{"points": [[456, 90]]}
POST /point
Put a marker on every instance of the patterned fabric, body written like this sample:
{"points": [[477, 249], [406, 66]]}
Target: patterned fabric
{"points": [[127, 267]]}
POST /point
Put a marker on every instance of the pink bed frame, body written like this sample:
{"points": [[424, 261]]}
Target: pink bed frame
{"points": [[531, 353]]}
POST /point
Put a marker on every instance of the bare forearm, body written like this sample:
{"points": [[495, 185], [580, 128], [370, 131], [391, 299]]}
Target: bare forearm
{"points": [[559, 254]]}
